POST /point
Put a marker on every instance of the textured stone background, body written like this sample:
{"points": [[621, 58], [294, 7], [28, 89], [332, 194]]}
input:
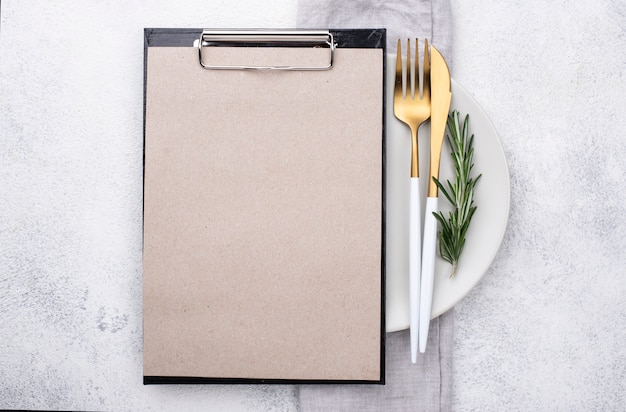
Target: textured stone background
{"points": [[545, 329]]}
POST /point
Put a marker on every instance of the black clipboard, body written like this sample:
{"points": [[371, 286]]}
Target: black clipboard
{"points": [[264, 251]]}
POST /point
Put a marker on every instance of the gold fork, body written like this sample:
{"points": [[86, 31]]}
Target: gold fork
{"points": [[413, 110]]}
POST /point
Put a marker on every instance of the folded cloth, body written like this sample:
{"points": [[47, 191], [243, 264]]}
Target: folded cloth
{"points": [[426, 385], [423, 386], [402, 18]]}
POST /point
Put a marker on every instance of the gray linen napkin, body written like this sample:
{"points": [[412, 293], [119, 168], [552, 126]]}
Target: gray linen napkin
{"points": [[426, 385]]}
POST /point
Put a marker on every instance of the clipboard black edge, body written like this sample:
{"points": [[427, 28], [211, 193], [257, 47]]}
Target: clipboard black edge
{"points": [[383, 219], [195, 380], [348, 38]]}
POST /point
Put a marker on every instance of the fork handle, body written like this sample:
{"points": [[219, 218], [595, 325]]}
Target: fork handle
{"points": [[428, 269], [415, 250]]}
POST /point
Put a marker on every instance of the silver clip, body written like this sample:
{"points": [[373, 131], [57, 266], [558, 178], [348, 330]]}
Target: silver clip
{"points": [[289, 38]]}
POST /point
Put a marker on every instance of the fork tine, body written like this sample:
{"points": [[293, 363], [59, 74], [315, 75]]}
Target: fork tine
{"points": [[416, 72], [426, 79], [410, 80], [398, 85]]}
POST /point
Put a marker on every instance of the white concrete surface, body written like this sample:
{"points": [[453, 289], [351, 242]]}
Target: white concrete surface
{"points": [[545, 329]]}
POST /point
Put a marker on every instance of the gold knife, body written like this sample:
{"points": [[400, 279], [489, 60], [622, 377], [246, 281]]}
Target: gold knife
{"points": [[440, 95]]}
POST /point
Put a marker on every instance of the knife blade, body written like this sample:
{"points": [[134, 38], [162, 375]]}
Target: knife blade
{"points": [[441, 95]]}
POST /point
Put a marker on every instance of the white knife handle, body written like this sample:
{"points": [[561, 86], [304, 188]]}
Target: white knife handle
{"points": [[428, 269], [415, 251]]}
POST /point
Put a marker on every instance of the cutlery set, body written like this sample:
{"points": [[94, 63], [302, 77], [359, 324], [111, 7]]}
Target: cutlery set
{"points": [[415, 103]]}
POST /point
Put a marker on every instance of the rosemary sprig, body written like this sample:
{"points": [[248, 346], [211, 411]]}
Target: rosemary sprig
{"points": [[460, 194]]}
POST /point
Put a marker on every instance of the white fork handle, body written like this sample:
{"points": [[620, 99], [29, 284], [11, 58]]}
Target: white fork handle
{"points": [[415, 250], [428, 269]]}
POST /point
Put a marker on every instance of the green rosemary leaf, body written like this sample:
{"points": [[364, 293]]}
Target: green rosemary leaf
{"points": [[443, 190], [459, 193]]}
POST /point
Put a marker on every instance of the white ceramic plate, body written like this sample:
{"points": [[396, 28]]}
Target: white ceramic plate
{"points": [[491, 196]]}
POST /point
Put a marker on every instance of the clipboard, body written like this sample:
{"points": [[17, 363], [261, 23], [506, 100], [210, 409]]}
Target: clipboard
{"points": [[263, 244]]}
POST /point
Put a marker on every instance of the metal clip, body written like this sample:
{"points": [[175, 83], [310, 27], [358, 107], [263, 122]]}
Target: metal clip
{"points": [[281, 38]]}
